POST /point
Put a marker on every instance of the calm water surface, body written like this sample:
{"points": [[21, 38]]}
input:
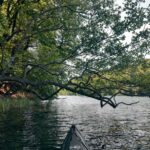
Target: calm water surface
{"points": [[44, 127]]}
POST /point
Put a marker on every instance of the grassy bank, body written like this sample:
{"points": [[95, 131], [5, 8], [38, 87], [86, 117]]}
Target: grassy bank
{"points": [[9, 103]]}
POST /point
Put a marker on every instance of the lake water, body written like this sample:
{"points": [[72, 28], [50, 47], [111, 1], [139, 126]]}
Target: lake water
{"points": [[44, 127]]}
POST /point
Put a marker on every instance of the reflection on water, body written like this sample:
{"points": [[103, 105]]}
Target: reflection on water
{"points": [[43, 128]]}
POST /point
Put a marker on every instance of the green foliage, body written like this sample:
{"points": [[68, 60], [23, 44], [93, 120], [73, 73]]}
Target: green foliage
{"points": [[65, 92], [132, 80], [77, 45]]}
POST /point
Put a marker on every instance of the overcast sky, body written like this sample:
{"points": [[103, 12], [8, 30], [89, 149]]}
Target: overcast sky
{"points": [[147, 2]]}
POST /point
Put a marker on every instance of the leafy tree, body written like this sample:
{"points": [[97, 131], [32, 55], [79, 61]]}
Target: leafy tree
{"points": [[75, 45]]}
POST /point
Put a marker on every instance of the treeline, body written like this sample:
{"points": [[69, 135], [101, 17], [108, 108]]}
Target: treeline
{"points": [[133, 80]]}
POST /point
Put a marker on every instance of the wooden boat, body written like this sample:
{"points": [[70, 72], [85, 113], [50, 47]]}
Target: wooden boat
{"points": [[74, 140]]}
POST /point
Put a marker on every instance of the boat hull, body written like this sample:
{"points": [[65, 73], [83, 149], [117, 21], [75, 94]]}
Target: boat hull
{"points": [[74, 140]]}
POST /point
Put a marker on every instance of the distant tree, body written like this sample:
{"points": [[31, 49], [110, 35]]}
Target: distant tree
{"points": [[77, 45]]}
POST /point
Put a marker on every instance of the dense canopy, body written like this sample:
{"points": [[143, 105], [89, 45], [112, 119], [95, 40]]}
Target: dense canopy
{"points": [[93, 48]]}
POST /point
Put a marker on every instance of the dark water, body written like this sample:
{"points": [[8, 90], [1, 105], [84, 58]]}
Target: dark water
{"points": [[44, 127]]}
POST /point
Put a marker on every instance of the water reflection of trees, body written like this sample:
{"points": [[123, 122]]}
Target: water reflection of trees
{"points": [[33, 128], [44, 127], [11, 129], [41, 128]]}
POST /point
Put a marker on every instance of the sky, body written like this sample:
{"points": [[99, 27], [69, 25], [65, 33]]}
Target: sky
{"points": [[147, 2]]}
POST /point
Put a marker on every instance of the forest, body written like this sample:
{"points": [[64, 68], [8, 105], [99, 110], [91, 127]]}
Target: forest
{"points": [[93, 48]]}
